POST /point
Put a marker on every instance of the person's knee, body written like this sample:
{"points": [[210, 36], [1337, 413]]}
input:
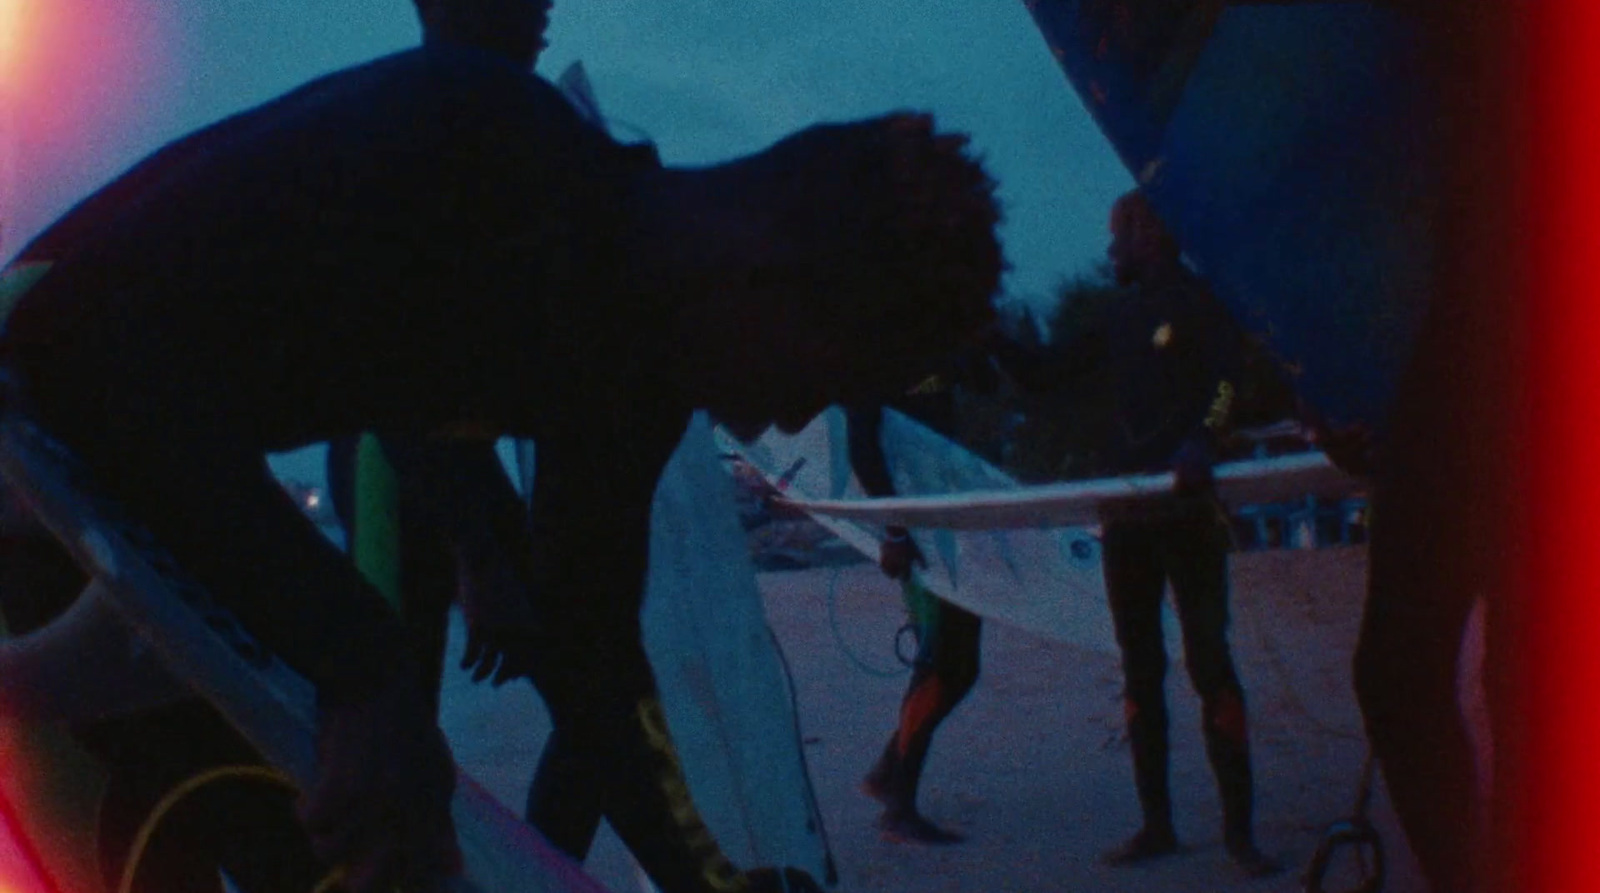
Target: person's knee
{"points": [[1223, 712], [1212, 672], [1403, 689], [1383, 674], [1144, 673], [1379, 688], [1144, 711], [1144, 694], [960, 676]]}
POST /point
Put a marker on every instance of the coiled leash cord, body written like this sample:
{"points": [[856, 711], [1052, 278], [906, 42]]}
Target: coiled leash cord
{"points": [[1354, 833], [187, 788]]}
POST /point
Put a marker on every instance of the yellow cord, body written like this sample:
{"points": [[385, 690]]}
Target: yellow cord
{"points": [[147, 830], [330, 881]]}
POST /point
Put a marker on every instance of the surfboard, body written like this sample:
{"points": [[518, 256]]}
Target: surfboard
{"points": [[205, 646], [1047, 581], [719, 670], [728, 700], [376, 548], [1288, 145], [1238, 484]]}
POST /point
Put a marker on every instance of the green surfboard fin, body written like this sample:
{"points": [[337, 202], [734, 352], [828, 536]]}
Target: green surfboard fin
{"points": [[15, 281], [376, 547]]}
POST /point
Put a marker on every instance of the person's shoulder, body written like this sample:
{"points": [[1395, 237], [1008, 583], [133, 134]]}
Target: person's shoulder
{"points": [[363, 76], [467, 79], [1180, 285], [1179, 279], [484, 89]]}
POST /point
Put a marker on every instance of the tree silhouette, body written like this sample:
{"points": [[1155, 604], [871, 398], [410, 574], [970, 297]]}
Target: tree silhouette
{"points": [[1053, 424]]}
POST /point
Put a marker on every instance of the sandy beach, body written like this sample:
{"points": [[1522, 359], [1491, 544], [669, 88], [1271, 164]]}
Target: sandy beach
{"points": [[1034, 766]]}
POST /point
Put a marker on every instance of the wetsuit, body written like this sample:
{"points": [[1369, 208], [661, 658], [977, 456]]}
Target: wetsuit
{"points": [[948, 637], [1170, 354], [413, 243]]}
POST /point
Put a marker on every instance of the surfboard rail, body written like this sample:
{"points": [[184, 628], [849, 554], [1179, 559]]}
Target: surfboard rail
{"points": [[1080, 503]]}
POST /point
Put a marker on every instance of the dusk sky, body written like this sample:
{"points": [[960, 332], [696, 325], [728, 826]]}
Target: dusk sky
{"points": [[87, 87]]}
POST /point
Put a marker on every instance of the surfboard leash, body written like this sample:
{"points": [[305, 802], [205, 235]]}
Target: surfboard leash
{"points": [[830, 868], [1357, 833], [189, 786], [838, 635]]}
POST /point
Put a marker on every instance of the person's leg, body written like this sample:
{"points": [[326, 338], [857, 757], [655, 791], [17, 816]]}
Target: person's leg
{"points": [[1436, 545], [1135, 582], [610, 731], [1506, 693], [1405, 667], [921, 613], [945, 671], [427, 589], [1196, 558], [564, 800]]}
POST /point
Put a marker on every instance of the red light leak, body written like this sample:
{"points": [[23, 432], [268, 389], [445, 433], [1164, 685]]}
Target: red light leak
{"points": [[22, 869], [1565, 492], [16, 871]]}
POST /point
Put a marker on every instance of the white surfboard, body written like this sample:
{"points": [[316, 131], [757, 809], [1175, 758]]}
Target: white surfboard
{"points": [[1047, 581], [1083, 502], [723, 685], [721, 677]]}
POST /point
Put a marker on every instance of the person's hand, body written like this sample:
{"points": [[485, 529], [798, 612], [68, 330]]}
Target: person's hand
{"points": [[380, 809], [1351, 447], [781, 880], [1191, 468], [898, 553], [500, 620]]}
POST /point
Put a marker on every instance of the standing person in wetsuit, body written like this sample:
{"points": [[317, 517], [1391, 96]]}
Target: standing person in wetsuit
{"points": [[948, 637], [275, 279], [1171, 354]]}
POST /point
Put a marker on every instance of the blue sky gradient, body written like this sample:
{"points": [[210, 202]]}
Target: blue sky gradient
{"points": [[705, 79]]}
